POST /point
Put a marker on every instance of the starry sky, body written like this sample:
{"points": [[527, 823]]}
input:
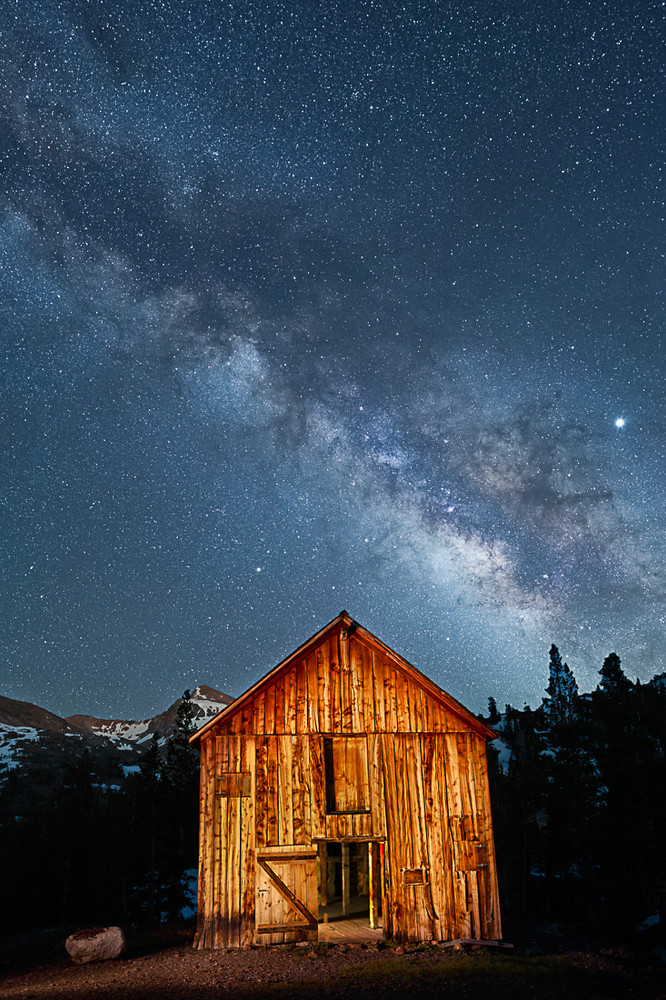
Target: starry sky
{"points": [[318, 305]]}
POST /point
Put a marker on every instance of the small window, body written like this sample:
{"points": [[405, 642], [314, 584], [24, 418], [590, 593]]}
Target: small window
{"points": [[346, 766]]}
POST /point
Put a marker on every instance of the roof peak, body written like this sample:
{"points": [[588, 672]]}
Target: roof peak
{"points": [[360, 632]]}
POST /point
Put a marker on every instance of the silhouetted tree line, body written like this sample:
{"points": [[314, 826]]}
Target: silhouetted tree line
{"points": [[103, 848], [579, 806]]}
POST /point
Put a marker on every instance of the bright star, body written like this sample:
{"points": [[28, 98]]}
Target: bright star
{"points": [[620, 422]]}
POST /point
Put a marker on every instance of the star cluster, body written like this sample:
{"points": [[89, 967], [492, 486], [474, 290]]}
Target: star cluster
{"points": [[320, 305]]}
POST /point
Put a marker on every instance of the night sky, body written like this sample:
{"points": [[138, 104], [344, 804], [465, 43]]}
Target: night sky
{"points": [[314, 305]]}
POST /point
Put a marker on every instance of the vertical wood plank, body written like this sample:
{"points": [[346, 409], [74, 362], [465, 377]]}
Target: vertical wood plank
{"points": [[356, 678], [367, 671], [378, 689], [259, 719], [389, 698], [315, 746], [272, 787], [434, 720], [325, 690], [290, 699], [279, 685], [269, 710], [300, 723], [443, 802], [284, 790], [261, 793], [221, 914], [345, 682], [439, 862], [377, 804], [234, 870], [222, 753], [401, 702], [312, 697], [393, 924], [207, 835], [247, 853], [336, 704], [426, 915]]}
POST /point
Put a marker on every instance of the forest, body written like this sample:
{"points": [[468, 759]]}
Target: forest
{"points": [[579, 812]]}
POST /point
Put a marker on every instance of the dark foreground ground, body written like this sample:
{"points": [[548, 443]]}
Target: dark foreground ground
{"points": [[171, 970]]}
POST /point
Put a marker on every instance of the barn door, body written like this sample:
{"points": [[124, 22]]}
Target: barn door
{"points": [[286, 896]]}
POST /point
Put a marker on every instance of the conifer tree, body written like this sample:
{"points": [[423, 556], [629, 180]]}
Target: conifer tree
{"points": [[147, 829], [614, 681], [149, 765], [181, 764], [180, 807], [562, 690], [493, 713]]}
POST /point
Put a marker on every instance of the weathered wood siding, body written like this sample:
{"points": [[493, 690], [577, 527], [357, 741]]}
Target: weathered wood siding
{"points": [[438, 820], [416, 778], [326, 692]]}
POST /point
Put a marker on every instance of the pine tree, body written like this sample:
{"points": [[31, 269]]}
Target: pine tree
{"points": [[181, 763], [149, 765], [518, 791], [147, 828], [493, 713], [614, 681], [180, 807], [562, 690], [570, 799]]}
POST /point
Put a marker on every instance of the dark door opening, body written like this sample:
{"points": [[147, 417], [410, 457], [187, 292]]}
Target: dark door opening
{"points": [[349, 884]]}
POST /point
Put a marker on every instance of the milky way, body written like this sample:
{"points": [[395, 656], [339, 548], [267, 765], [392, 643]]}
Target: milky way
{"points": [[316, 306]]}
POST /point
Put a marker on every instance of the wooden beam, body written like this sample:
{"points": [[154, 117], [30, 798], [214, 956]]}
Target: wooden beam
{"points": [[345, 879], [276, 928], [375, 886], [322, 871]]}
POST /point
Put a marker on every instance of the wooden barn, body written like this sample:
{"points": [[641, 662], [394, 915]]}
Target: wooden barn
{"points": [[345, 782]]}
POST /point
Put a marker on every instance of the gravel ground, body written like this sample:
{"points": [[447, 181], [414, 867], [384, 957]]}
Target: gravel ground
{"points": [[316, 973]]}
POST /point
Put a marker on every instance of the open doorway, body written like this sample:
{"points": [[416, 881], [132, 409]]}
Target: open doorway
{"points": [[349, 881]]}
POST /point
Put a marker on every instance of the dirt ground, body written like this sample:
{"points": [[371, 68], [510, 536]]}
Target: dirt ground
{"points": [[319, 972]]}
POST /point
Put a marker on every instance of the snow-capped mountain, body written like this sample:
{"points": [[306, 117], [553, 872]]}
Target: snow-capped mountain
{"points": [[40, 746], [125, 735]]}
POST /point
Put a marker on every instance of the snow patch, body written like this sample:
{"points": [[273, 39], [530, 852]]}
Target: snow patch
{"points": [[122, 730], [208, 708], [11, 738], [504, 754], [190, 881]]}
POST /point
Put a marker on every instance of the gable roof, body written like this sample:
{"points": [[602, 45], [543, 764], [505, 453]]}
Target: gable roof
{"points": [[344, 619]]}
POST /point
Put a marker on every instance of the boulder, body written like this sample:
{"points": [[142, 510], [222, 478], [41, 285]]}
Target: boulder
{"points": [[96, 944]]}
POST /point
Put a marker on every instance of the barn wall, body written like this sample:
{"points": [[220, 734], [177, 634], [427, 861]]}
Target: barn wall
{"points": [[438, 820], [427, 787]]}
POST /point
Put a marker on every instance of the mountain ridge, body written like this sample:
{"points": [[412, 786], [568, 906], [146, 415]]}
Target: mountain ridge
{"points": [[41, 747]]}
